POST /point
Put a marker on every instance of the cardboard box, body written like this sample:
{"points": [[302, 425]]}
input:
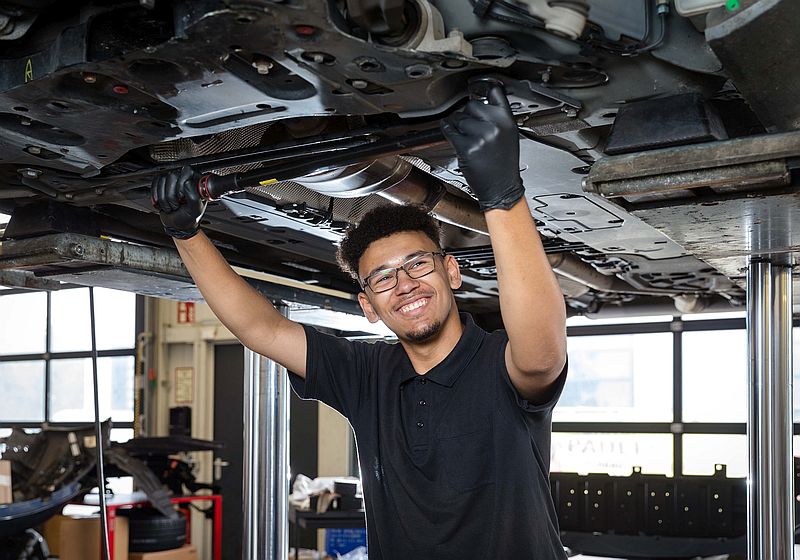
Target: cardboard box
{"points": [[78, 538], [186, 552], [6, 495]]}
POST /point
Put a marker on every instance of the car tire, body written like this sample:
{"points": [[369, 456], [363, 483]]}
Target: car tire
{"points": [[150, 531]]}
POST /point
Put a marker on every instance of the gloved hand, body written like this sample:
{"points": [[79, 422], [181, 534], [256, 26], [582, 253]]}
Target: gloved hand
{"points": [[486, 141], [175, 196]]}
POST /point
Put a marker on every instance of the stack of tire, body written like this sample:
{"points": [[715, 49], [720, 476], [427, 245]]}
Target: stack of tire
{"points": [[150, 531]]}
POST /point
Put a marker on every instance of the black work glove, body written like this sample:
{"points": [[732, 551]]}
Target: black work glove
{"points": [[175, 196], [486, 141]]}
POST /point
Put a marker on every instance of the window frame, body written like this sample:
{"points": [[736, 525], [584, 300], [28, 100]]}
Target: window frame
{"points": [[677, 326], [48, 356]]}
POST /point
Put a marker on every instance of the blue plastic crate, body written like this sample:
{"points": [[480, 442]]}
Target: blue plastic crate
{"points": [[342, 541]]}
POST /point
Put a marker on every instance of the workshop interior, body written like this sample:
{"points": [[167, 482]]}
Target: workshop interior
{"points": [[659, 152]]}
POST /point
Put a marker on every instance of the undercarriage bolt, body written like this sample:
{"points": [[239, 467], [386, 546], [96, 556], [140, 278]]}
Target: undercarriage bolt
{"points": [[35, 150], [359, 84], [262, 65], [30, 173], [89, 78]]}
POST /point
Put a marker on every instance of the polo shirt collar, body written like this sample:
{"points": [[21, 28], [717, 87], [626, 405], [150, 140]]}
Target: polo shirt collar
{"points": [[447, 371]]}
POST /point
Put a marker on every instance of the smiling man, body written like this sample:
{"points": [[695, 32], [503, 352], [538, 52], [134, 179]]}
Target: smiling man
{"points": [[452, 423]]}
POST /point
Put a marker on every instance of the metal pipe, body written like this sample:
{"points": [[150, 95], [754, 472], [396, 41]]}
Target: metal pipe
{"points": [[266, 458], [98, 433], [397, 180], [770, 503], [424, 189], [280, 380], [571, 267], [252, 468]]}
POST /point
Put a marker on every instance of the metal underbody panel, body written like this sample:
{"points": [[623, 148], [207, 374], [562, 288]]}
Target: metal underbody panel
{"points": [[96, 99]]}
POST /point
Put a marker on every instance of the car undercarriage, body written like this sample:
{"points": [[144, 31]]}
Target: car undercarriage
{"points": [[316, 111]]}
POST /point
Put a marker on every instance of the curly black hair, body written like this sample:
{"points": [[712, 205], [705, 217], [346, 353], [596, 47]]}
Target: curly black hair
{"points": [[381, 222]]}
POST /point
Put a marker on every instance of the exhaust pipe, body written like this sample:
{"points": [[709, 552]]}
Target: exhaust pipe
{"points": [[401, 182]]}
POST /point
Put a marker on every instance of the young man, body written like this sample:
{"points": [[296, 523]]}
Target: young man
{"points": [[452, 424]]}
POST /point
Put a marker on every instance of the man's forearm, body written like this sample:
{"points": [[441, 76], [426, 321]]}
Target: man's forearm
{"points": [[531, 302], [237, 304]]}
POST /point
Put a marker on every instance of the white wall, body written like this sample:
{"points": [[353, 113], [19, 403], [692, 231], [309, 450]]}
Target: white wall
{"points": [[180, 346]]}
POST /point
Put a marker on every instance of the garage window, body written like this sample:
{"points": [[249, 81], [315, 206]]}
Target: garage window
{"points": [[45, 357], [640, 387]]}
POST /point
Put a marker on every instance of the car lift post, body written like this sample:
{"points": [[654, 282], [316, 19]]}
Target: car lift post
{"points": [[265, 528], [770, 493]]}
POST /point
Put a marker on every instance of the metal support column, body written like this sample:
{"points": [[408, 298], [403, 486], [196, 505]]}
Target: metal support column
{"points": [[770, 495], [266, 458]]}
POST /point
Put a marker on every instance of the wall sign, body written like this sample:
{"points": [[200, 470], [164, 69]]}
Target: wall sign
{"points": [[184, 385]]}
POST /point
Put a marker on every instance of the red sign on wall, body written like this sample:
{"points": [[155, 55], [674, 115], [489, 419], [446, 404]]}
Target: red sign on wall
{"points": [[185, 312]]}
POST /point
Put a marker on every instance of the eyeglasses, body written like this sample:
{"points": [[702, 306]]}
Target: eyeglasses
{"points": [[416, 267]]}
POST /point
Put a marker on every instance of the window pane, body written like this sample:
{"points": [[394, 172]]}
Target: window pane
{"points": [[618, 378], [115, 316], [715, 376], [615, 454], [23, 329], [69, 321], [71, 389], [22, 393], [702, 452]]}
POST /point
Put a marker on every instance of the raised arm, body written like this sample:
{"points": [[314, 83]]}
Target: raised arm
{"points": [[486, 140], [246, 313]]}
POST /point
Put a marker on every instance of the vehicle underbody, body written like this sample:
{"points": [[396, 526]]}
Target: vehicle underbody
{"points": [[326, 109]]}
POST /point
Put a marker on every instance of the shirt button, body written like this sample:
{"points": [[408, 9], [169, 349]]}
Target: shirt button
{"points": [[423, 381], [420, 425], [422, 403]]}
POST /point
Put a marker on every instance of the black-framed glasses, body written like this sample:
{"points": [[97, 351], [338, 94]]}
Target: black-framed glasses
{"points": [[416, 267]]}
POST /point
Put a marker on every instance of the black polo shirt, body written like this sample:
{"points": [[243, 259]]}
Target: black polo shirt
{"points": [[454, 464]]}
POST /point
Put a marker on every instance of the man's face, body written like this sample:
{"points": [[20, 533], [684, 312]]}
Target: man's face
{"points": [[415, 309]]}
